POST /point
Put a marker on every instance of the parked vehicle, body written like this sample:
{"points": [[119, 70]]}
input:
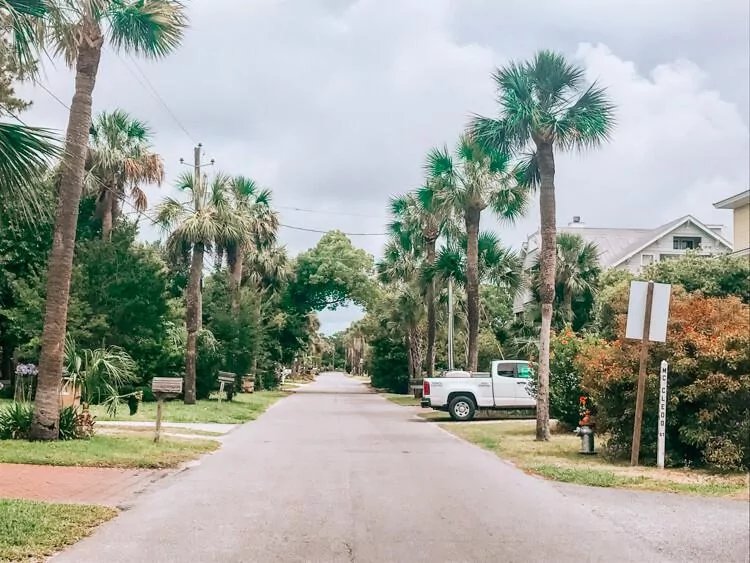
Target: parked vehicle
{"points": [[462, 393]]}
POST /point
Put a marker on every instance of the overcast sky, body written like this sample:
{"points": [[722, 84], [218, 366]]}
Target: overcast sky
{"points": [[334, 103]]}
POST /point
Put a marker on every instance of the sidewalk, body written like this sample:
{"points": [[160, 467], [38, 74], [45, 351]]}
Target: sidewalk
{"points": [[86, 485]]}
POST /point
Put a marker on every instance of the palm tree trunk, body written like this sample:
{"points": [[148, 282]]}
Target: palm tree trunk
{"points": [[193, 310], [45, 425], [547, 262], [471, 219], [236, 277], [107, 215], [567, 305], [431, 317]]}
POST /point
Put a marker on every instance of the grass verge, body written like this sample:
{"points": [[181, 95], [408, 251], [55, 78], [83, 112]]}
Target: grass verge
{"points": [[559, 460], [403, 400], [103, 429], [124, 451], [32, 531], [242, 408]]}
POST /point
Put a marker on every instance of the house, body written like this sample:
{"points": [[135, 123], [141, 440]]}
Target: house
{"points": [[632, 249], [740, 205]]}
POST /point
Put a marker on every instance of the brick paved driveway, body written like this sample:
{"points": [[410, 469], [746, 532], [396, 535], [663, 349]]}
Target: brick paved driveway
{"points": [[89, 485]]}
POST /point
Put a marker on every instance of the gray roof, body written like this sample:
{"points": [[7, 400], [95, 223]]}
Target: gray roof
{"points": [[612, 243]]}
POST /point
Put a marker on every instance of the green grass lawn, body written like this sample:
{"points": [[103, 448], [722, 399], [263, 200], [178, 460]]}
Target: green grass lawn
{"points": [[403, 400], [126, 451], [559, 460], [32, 531], [243, 408]]}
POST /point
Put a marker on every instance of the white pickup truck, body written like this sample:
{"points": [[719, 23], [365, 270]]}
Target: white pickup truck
{"points": [[461, 393]]}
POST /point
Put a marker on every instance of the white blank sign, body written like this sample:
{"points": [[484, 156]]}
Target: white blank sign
{"points": [[637, 311]]}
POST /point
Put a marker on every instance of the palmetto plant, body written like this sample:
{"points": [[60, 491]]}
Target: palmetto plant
{"points": [[545, 103], [121, 162], [472, 180], [99, 373], [205, 218], [76, 30], [24, 151]]}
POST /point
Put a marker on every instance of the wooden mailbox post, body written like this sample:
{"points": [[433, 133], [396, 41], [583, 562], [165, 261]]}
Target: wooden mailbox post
{"points": [[226, 381], [164, 388]]}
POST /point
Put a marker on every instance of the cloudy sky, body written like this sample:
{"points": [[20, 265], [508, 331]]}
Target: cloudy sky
{"points": [[334, 103]]}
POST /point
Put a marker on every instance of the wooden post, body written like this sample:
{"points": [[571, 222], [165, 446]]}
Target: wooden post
{"points": [[636, 448], [159, 410]]}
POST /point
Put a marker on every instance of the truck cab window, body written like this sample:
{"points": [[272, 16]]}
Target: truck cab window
{"points": [[525, 371], [506, 370]]}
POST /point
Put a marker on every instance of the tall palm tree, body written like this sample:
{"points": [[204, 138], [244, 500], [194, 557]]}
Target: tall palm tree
{"points": [[400, 269], [254, 204], [24, 151], [77, 30], [545, 103], [419, 214], [471, 181], [198, 222], [121, 161]]}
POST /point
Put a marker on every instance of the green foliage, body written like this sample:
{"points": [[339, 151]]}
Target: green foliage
{"points": [[708, 350], [15, 422], [332, 274], [719, 276], [388, 364]]}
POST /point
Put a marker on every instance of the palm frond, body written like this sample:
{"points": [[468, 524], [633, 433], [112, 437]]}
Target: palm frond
{"points": [[151, 28], [24, 155], [553, 77], [588, 122]]}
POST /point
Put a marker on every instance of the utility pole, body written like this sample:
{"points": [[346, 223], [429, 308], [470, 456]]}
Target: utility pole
{"points": [[199, 199]]}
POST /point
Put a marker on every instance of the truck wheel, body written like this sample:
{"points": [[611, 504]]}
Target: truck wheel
{"points": [[462, 408]]}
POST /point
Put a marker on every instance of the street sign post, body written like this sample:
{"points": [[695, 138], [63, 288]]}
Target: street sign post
{"points": [[662, 430], [648, 312]]}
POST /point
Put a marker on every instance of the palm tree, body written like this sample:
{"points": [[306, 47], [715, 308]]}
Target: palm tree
{"points": [[576, 273], [475, 179], [24, 151], [197, 223], [400, 270], [77, 30], [121, 159], [545, 103], [419, 214], [254, 204]]}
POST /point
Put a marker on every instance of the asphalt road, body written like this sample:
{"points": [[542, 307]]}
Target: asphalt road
{"points": [[337, 474]]}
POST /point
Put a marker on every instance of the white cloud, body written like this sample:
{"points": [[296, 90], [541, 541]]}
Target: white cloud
{"points": [[334, 104]]}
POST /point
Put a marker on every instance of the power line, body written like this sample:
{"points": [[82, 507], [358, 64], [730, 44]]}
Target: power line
{"points": [[326, 212], [324, 232], [148, 85], [51, 93]]}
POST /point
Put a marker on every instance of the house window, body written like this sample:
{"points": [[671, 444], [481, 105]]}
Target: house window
{"points": [[669, 256], [647, 259], [686, 243]]}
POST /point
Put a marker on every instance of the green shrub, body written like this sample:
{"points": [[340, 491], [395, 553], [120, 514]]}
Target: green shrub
{"points": [[388, 365], [16, 418], [708, 407]]}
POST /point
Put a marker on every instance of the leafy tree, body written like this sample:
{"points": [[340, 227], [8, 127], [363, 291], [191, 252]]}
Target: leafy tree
{"points": [[544, 104], [77, 30], [197, 223], [121, 161], [719, 276], [332, 274], [475, 179]]}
